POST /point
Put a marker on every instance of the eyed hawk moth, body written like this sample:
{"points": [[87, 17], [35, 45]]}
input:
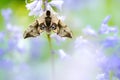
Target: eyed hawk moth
{"points": [[47, 22]]}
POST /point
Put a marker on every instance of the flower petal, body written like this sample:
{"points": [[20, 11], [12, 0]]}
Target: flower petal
{"points": [[89, 31], [105, 21], [58, 38], [38, 6], [32, 5], [57, 3], [62, 54]]}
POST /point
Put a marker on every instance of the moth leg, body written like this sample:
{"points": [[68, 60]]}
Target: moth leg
{"points": [[64, 31], [32, 30]]}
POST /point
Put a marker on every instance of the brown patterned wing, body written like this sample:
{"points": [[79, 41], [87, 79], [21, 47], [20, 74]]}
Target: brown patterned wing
{"points": [[64, 31], [60, 28], [54, 25], [32, 30]]}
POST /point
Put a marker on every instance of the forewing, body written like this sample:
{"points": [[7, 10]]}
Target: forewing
{"points": [[64, 31], [55, 23], [54, 19], [35, 28], [61, 28], [32, 30]]}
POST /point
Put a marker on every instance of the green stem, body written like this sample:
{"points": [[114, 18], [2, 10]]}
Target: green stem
{"points": [[45, 4], [52, 57], [50, 45]]}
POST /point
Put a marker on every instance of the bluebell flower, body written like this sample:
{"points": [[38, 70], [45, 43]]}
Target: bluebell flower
{"points": [[6, 13], [62, 54], [58, 39], [110, 41], [89, 31], [57, 3], [107, 18], [105, 29], [81, 42], [1, 52], [111, 64], [82, 62], [102, 76], [15, 38], [6, 64], [36, 9], [11, 37], [2, 36], [36, 47]]}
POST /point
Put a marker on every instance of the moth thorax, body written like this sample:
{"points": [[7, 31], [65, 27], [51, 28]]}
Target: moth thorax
{"points": [[48, 21], [48, 13]]}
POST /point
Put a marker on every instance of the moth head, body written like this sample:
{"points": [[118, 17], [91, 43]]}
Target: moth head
{"points": [[48, 13]]}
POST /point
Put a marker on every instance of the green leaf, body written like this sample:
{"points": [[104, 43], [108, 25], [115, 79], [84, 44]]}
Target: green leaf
{"points": [[54, 8], [49, 0]]}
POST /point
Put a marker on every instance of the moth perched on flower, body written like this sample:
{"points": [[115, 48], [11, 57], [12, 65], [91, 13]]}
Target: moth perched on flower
{"points": [[47, 22]]}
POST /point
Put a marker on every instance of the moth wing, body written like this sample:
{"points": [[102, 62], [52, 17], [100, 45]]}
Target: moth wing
{"points": [[61, 28], [64, 31], [55, 20], [41, 19], [32, 30]]}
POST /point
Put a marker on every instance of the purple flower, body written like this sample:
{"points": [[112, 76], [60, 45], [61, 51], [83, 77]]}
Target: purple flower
{"points": [[110, 42], [62, 54], [102, 76], [36, 46], [89, 31], [36, 9], [2, 37], [11, 37], [1, 52], [57, 3], [105, 29], [58, 39], [105, 21], [15, 41], [81, 42], [11, 45], [6, 13], [6, 64], [77, 4], [111, 64]]}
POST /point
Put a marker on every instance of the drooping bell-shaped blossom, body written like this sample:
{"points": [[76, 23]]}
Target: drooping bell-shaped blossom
{"points": [[106, 29], [36, 6], [89, 31]]}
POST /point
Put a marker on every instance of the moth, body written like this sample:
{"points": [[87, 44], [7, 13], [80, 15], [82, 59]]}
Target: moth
{"points": [[47, 22]]}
